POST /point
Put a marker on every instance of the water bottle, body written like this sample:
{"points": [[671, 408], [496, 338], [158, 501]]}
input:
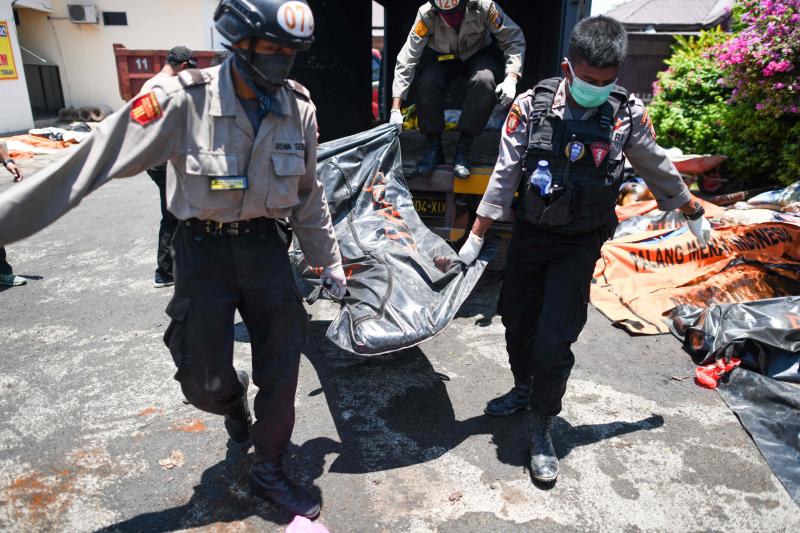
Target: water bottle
{"points": [[542, 179]]}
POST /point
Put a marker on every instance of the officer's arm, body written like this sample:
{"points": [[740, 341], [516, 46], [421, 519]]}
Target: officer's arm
{"points": [[409, 56], [311, 219], [510, 38], [496, 202], [651, 162], [120, 147]]}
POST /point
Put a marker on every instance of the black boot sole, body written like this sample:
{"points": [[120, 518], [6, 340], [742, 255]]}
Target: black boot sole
{"points": [[260, 493], [505, 413], [544, 480]]}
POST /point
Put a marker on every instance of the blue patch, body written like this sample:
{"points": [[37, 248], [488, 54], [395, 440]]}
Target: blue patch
{"points": [[575, 151]]}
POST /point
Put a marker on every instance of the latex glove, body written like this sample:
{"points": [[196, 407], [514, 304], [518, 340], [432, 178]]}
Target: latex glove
{"points": [[334, 281], [507, 90], [396, 118], [470, 250], [701, 228]]}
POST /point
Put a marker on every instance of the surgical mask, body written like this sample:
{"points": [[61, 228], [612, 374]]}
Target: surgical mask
{"points": [[587, 95], [268, 72]]}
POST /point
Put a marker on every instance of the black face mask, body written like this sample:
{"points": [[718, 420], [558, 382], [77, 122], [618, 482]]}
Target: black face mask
{"points": [[268, 72]]}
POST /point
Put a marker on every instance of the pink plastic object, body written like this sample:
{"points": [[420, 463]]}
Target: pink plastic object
{"points": [[304, 525]]}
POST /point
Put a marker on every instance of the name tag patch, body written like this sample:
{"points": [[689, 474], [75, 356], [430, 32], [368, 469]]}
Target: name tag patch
{"points": [[284, 146], [229, 183]]}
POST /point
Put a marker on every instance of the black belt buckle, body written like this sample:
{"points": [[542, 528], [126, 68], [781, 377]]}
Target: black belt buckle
{"points": [[233, 228]]}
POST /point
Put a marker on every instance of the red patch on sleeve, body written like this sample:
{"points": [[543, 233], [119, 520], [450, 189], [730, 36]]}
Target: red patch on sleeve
{"points": [[146, 109], [648, 123], [514, 119]]}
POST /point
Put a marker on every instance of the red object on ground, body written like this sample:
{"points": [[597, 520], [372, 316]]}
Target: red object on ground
{"points": [[708, 375]]}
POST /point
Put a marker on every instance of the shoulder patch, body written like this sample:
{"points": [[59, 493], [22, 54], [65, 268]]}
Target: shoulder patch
{"points": [[146, 109], [420, 29], [645, 122], [300, 90], [495, 17], [514, 119]]}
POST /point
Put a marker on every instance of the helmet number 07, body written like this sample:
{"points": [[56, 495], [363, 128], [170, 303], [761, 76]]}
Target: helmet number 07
{"points": [[296, 18]]}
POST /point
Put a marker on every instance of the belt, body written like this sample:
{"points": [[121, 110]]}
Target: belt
{"points": [[254, 226]]}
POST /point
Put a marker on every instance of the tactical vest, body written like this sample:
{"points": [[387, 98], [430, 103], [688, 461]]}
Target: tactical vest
{"points": [[586, 180]]}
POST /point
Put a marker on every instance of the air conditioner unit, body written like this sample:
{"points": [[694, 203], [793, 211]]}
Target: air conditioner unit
{"points": [[83, 13]]}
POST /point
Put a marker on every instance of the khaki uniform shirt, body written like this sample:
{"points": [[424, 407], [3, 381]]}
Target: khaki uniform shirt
{"points": [[153, 82], [202, 130], [474, 35], [633, 137]]}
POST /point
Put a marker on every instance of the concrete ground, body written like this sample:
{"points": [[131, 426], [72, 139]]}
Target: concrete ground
{"points": [[89, 412]]}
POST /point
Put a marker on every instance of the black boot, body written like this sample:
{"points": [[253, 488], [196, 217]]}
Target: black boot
{"points": [[510, 402], [269, 481], [461, 165], [544, 463], [238, 421], [434, 156]]}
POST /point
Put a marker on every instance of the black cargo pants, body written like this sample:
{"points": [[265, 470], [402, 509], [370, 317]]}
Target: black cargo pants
{"points": [[543, 305], [215, 276], [483, 71], [167, 226], [5, 268]]}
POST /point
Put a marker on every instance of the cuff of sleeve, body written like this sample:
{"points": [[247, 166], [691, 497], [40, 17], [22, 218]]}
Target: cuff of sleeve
{"points": [[495, 212], [330, 260], [676, 201]]}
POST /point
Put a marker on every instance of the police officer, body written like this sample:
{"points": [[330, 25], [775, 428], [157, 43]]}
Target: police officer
{"points": [[449, 38], [582, 127], [179, 59], [241, 144]]}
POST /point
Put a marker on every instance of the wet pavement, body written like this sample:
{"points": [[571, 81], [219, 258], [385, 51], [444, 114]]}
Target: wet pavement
{"points": [[94, 435]]}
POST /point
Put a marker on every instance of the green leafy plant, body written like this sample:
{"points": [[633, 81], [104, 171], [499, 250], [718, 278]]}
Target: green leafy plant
{"points": [[689, 104]]}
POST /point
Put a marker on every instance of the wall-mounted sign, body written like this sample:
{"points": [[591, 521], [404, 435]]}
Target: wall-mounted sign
{"points": [[8, 69]]}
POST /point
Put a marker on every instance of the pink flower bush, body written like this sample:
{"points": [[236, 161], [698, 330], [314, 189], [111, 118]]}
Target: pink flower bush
{"points": [[761, 61]]}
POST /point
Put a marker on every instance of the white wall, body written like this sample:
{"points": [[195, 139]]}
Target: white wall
{"points": [[15, 106], [84, 52]]}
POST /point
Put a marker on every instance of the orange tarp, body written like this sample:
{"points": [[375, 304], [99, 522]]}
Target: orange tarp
{"points": [[646, 206], [641, 277]]}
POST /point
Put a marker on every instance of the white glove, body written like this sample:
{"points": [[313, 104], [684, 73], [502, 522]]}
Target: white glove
{"points": [[334, 281], [701, 228], [507, 90], [469, 252], [396, 118]]}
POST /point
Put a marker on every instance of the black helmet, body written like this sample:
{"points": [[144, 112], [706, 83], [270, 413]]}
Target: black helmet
{"points": [[289, 23], [448, 6]]}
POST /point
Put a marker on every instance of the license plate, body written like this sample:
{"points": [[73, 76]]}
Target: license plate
{"points": [[430, 206]]}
